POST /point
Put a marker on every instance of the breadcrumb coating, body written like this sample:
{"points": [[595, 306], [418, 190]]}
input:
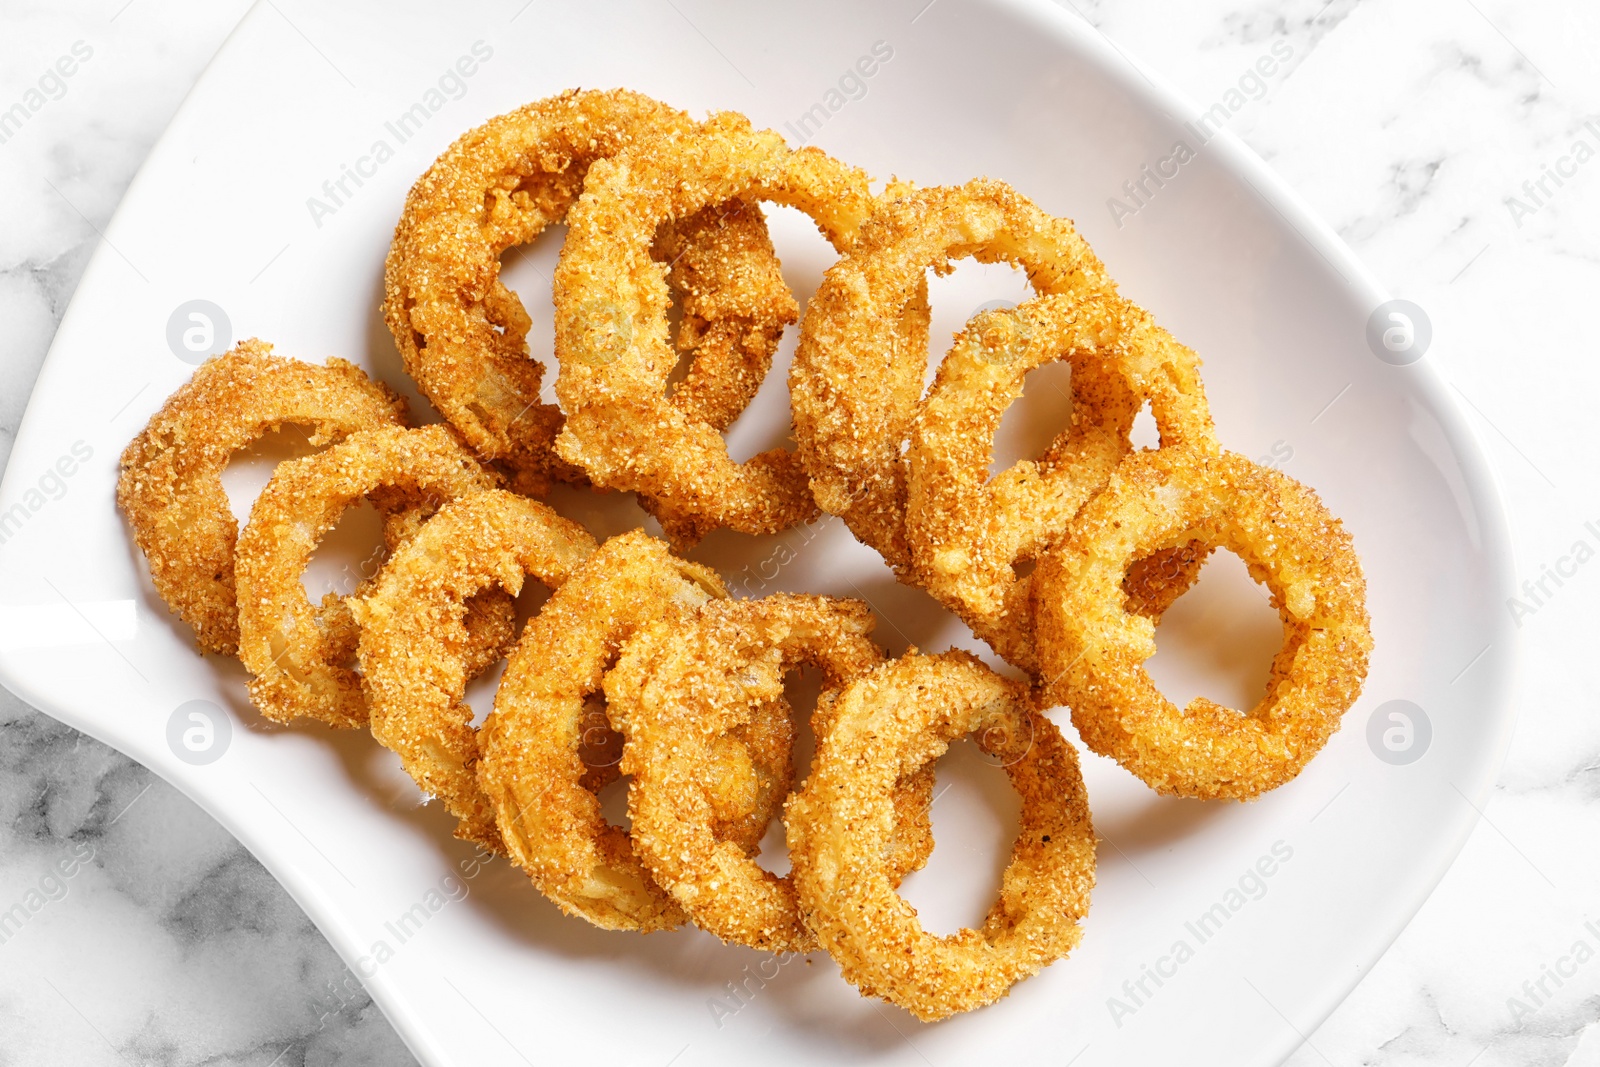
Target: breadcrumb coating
{"points": [[299, 656], [967, 530], [415, 661], [686, 696], [463, 334], [1092, 648], [897, 719], [640, 665], [611, 322], [858, 371], [543, 763], [170, 488]]}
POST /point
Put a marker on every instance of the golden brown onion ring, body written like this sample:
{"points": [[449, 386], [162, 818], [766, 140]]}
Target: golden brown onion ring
{"points": [[899, 718], [683, 694], [967, 530], [548, 747], [611, 322], [297, 655], [1092, 650], [414, 666], [858, 371], [171, 483]]}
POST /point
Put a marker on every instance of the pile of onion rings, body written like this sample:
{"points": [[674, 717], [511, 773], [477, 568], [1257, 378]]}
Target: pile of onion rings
{"points": [[684, 697], [640, 666], [463, 335], [297, 659]]}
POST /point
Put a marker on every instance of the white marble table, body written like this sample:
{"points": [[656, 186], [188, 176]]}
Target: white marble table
{"points": [[1439, 137]]}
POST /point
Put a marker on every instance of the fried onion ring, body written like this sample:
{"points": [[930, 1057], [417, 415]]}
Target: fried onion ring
{"points": [[171, 490], [297, 655], [463, 334], [858, 370], [538, 744], [968, 530], [413, 635], [682, 694], [611, 324], [898, 719], [1092, 649]]}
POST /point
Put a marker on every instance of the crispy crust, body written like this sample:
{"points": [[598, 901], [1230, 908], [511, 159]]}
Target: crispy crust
{"points": [[297, 654], [171, 490], [463, 334], [611, 326], [639, 664], [858, 371], [540, 769], [900, 718], [967, 530], [1093, 649], [684, 696], [414, 667]]}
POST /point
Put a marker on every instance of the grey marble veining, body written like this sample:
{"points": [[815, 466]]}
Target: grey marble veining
{"points": [[1423, 132], [153, 937]]}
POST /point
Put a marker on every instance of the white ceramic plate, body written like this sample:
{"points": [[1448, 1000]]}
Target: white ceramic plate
{"points": [[303, 94]]}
